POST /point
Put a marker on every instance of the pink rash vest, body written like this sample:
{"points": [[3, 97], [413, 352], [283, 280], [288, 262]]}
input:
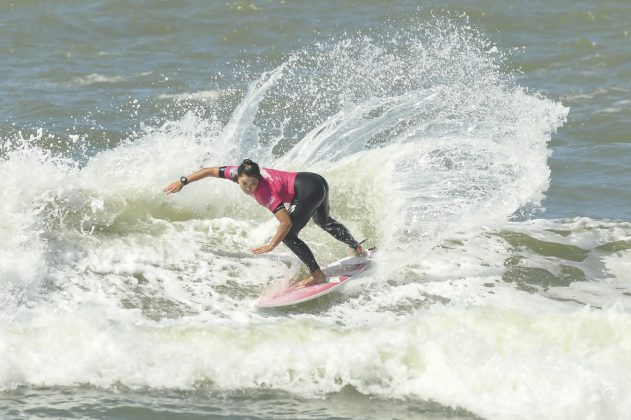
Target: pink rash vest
{"points": [[275, 187]]}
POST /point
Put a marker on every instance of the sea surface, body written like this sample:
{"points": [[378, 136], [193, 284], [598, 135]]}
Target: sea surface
{"points": [[482, 146]]}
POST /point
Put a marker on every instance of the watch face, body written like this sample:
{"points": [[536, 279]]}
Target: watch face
{"points": [[184, 180]]}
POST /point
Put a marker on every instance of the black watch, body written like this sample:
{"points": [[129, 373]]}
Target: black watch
{"points": [[184, 180]]}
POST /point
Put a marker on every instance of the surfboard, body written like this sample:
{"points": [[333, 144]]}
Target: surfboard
{"points": [[337, 274]]}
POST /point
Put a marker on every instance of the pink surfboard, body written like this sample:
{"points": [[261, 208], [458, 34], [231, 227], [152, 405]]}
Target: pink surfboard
{"points": [[337, 274]]}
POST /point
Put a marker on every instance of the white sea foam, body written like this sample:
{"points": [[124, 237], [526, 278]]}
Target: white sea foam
{"points": [[498, 363], [619, 265]]}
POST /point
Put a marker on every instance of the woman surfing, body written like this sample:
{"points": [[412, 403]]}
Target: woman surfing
{"points": [[308, 197]]}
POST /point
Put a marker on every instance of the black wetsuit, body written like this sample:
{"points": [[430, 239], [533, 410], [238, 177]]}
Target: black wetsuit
{"points": [[311, 200]]}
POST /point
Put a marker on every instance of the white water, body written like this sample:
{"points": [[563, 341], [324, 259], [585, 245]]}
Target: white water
{"points": [[106, 280]]}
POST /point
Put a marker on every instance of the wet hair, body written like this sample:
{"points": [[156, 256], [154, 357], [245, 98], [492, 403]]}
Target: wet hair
{"points": [[249, 168]]}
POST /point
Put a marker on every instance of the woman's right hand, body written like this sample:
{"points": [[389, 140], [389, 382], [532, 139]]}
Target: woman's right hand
{"points": [[173, 187]]}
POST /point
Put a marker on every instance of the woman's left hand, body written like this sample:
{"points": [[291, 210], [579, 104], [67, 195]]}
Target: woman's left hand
{"points": [[173, 187], [263, 249]]}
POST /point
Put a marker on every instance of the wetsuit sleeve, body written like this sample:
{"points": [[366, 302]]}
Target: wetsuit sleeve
{"points": [[228, 172], [278, 208]]}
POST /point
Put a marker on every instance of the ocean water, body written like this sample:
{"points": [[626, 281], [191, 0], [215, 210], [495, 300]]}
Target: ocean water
{"points": [[483, 147]]}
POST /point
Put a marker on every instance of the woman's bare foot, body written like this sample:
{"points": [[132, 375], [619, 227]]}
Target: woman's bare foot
{"points": [[360, 251], [317, 277]]}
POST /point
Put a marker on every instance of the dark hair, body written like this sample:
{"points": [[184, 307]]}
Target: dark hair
{"points": [[249, 168]]}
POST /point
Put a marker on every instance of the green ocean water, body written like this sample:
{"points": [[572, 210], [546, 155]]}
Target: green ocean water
{"points": [[483, 145]]}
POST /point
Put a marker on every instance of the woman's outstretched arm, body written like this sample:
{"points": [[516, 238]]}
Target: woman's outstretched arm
{"points": [[195, 176]]}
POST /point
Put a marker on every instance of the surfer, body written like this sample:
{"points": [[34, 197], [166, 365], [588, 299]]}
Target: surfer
{"points": [[308, 197]]}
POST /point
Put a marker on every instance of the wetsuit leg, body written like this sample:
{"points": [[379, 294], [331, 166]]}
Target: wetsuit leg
{"points": [[322, 218], [312, 200], [303, 252], [309, 195]]}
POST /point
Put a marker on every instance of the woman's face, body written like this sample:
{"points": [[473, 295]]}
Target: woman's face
{"points": [[248, 184]]}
